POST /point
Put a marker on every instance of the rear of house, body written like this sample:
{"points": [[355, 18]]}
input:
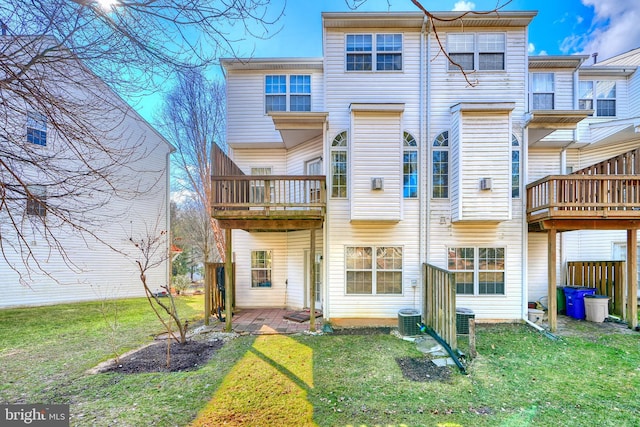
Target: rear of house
{"points": [[422, 163]]}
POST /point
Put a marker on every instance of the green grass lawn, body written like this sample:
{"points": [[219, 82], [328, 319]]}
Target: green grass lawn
{"points": [[520, 377]]}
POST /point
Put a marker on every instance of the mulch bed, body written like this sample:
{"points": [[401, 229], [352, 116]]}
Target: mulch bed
{"points": [[422, 369], [153, 358]]}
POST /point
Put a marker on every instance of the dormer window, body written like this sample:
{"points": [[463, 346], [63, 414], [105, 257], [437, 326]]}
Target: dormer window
{"points": [[361, 48]]}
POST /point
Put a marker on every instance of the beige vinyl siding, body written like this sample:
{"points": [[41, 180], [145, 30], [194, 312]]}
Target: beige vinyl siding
{"points": [[543, 162], [485, 139], [297, 277], [376, 150], [634, 88], [247, 122]]}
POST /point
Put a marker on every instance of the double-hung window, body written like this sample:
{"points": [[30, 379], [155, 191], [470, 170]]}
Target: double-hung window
{"points": [[478, 271], [515, 167], [476, 51], [36, 128], [374, 270], [287, 94], [542, 91], [601, 94], [36, 200], [260, 269], [383, 50]]}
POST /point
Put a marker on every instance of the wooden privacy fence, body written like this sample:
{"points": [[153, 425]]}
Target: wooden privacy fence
{"points": [[439, 307], [606, 276], [216, 300]]}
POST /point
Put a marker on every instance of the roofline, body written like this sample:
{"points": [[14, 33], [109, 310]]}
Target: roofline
{"points": [[271, 63], [415, 19], [612, 70]]}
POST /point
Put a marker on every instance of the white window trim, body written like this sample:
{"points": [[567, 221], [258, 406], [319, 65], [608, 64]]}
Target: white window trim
{"points": [[251, 269], [476, 270], [373, 53], [553, 92], [287, 93], [594, 98], [409, 148], [374, 271], [344, 149], [450, 68]]}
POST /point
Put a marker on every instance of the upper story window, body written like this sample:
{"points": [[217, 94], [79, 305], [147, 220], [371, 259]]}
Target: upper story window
{"points": [[36, 128], [361, 48], [476, 51], [440, 158], [36, 200], [410, 167], [603, 97], [339, 166], [542, 91], [515, 167], [293, 94]]}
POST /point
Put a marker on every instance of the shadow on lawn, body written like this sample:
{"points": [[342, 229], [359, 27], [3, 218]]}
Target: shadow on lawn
{"points": [[267, 387]]}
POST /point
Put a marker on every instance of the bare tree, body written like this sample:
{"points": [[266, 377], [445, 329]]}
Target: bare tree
{"points": [[59, 60], [194, 120]]}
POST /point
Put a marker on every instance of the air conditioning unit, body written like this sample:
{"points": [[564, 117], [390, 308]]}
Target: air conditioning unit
{"points": [[485, 184], [377, 183], [462, 320], [408, 320]]}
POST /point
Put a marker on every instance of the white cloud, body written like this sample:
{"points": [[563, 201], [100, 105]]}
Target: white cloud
{"points": [[543, 53], [463, 6], [532, 48], [614, 29]]}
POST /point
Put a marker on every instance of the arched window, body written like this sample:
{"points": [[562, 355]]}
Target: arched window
{"points": [[339, 166], [410, 167], [440, 161], [515, 167]]}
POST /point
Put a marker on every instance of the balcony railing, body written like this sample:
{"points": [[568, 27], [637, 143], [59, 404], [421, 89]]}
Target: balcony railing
{"points": [[248, 201], [584, 197]]}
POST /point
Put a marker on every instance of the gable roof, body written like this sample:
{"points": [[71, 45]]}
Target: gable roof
{"points": [[631, 57]]}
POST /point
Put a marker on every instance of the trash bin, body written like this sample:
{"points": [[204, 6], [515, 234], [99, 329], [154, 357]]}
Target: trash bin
{"points": [[596, 307], [574, 298]]}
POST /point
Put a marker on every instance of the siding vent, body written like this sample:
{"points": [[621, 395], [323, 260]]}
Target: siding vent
{"points": [[485, 183], [377, 183]]}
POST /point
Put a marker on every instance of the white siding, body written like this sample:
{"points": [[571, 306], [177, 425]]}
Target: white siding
{"points": [[485, 138], [376, 150]]}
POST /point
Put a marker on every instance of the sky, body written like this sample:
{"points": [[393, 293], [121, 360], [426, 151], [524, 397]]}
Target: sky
{"points": [[561, 27]]}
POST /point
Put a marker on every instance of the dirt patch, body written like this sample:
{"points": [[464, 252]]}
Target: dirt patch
{"points": [[422, 369], [153, 358], [362, 331]]}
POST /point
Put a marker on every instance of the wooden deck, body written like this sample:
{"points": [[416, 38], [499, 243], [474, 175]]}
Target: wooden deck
{"points": [[269, 202], [573, 202]]}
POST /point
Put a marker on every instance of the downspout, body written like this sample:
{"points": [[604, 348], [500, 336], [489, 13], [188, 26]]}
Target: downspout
{"points": [[422, 138], [168, 211], [326, 165], [427, 199], [524, 179]]}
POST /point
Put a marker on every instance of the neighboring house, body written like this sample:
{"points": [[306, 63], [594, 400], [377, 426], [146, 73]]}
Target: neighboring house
{"points": [[118, 192], [423, 164]]}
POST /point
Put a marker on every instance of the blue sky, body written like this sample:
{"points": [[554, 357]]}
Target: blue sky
{"points": [[561, 27]]}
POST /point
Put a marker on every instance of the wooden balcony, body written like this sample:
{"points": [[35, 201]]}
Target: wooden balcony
{"points": [[269, 202], [578, 201]]}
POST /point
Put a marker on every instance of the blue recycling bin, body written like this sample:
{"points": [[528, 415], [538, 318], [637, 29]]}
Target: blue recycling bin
{"points": [[574, 298]]}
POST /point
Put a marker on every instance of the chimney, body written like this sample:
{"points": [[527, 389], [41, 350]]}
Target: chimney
{"points": [[595, 57]]}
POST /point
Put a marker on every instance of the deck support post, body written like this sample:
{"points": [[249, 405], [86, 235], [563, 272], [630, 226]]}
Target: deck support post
{"points": [[312, 279], [552, 302], [208, 285], [228, 280], [632, 278]]}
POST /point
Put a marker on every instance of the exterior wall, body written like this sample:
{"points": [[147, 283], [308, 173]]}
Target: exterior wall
{"points": [[247, 122], [377, 152], [623, 109], [344, 88], [94, 271]]}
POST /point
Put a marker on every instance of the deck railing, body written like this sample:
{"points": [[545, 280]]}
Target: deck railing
{"points": [[269, 192], [584, 195], [439, 305], [624, 164]]}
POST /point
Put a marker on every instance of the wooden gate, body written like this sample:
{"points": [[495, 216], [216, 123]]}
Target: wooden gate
{"points": [[439, 308], [216, 299]]}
